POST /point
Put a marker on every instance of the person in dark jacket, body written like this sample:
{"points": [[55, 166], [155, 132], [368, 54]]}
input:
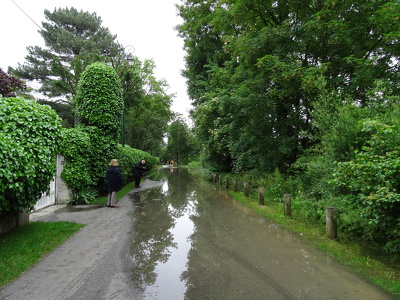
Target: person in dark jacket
{"points": [[114, 182], [138, 170]]}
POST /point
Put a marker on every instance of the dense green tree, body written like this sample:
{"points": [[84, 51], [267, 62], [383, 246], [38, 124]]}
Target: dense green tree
{"points": [[211, 132], [181, 146], [148, 111], [263, 64], [203, 46], [74, 39]]}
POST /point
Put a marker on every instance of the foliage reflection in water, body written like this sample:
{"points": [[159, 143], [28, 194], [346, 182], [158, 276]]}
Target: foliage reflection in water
{"points": [[192, 241], [162, 227]]}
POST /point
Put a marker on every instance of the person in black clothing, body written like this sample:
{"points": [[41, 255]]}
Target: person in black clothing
{"points": [[114, 182], [138, 170]]}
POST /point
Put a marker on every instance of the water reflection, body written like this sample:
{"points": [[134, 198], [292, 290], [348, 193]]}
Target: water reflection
{"points": [[161, 228], [151, 239], [191, 241]]}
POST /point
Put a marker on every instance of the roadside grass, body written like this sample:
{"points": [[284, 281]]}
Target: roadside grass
{"points": [[24, 246], [345, 250], [125, 189]]}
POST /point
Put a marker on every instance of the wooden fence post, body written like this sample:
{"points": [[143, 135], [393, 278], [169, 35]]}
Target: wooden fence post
{"points": [[235, 185], [214, 177], [287, 200], [331, 222], [261, 195], [220, 179], [246, 189], [226, 181]]}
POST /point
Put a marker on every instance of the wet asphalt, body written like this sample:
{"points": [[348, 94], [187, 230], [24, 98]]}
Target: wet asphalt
{"points": [[92, 264]]}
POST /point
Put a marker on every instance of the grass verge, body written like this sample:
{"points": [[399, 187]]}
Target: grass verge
{"points": [[24, 246], [347, 251], [125, 189]]}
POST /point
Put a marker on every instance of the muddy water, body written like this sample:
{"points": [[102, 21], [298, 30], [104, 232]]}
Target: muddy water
{"points": [[192, 241]]}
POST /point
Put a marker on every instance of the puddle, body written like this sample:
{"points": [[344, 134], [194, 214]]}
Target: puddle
{"points": [[190, 240], [78, 208]]}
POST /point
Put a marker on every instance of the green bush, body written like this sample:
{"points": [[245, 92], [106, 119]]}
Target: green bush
{"points": [[84, 196], [76, 149], [90, 146], [99, 98], [373, 180], [30, 135], [128, 157], [194, 164]]}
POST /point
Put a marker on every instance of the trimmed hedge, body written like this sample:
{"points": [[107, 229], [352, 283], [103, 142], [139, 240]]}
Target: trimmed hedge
{"points": [[128, 157], [30, 134]]}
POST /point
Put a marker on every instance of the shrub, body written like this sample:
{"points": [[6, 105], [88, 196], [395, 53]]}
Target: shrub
{"points": [[84, 196], [373, 180], [30, 135], [90, 146], [76, 149], [99, 98], [128, 157]]}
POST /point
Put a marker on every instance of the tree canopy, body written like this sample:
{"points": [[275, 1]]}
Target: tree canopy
{"points": [[148, 114], [74, 39], [181, 145], [254, 70]]}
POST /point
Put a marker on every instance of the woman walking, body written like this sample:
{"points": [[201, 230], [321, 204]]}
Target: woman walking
{"points": [[114, 182]]}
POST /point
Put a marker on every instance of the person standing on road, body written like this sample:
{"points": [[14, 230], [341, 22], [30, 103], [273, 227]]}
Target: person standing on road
{"points": [[138, 171], [114, 182]]}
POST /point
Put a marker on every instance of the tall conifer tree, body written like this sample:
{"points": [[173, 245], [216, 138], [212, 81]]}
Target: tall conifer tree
{"points": [[74, 39]]}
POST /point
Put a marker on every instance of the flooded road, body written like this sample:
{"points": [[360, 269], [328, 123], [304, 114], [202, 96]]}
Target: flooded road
{"points": [[190, 240]]}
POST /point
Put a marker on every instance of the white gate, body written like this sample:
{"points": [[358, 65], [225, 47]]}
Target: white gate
{"points": [[47, 199]]}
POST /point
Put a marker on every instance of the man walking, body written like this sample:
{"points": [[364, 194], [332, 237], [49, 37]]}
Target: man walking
{"points": [[138, 171]]}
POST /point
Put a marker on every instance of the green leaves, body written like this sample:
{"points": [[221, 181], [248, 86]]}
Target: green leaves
{"points": [[74, 39], [373, 177], [30, 138], [9, 84], [99, 98], [89, 147]]}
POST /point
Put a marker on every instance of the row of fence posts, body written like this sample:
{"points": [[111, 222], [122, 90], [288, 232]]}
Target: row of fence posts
{"points": [[331, 215]]}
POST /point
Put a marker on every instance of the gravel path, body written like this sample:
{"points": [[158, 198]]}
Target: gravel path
{"points": [[92, 264]]}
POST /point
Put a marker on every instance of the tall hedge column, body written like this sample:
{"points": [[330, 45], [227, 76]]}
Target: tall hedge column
{"points": [[99, 107]]}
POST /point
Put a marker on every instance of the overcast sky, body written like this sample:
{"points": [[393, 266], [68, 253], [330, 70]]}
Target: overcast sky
{"points": [[147, 25]]}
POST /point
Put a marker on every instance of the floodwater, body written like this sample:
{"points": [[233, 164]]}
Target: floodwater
{"points": [[190, 240]]}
